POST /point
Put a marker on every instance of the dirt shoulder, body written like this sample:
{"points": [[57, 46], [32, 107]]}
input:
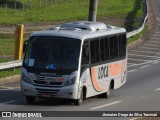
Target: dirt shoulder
{"points": [[9, 79]]}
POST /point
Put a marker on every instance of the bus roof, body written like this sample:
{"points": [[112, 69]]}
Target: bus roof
{"points": [[81, 30]]}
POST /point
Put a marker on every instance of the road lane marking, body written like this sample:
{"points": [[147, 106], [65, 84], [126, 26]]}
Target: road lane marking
{"points": [[138, 64], [4, 89], [153, 61], [137, 59], [144, 51], [157, 14], [105, 105], [132, 70], [154, 45], [144, 56], [157, 32], [153, 38], [150, 48], [158, 89], [157, 42], [145, 66], [136, 118], [8, 88], [130, 63], [158, 19], [156, 35], [11, 101]]}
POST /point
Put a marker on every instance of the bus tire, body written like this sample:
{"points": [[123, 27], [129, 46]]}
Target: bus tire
{"points": [[106, 94], [80, 100], [30, 99]]}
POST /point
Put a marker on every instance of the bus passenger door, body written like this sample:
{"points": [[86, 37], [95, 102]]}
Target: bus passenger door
{"points": [[85, 74]]}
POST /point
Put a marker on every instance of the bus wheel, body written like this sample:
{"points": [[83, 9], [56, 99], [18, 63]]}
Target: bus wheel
{"points": [[80, 100], [106, 94], [30, 99]]}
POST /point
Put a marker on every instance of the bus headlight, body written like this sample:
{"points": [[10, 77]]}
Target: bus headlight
{"points": [[70, 81], [26, 79]]}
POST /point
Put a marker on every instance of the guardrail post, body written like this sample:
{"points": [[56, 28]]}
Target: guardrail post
{"points": [[19, 42]]}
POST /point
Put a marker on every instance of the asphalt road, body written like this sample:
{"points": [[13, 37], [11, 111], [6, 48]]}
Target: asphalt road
{"points": [[140, 93]]}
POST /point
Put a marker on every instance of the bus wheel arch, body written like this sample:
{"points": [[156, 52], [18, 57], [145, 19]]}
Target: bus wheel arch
{"points": [[84, 92], [112, 84], [82, 96]]}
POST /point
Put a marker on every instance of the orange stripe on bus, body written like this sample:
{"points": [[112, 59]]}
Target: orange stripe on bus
{"points": [[115, 69], [96, 85]]}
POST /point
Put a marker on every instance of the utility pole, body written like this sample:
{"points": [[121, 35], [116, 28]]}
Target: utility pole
{"points": [[92, 10]]}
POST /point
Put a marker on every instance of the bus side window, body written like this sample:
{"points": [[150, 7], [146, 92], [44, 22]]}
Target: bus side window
{"points": [[92, 49], [122, 45], [25, 45], [95, 51], [107, 54], [115, 47], [85, 53], [102, 47], [111, 46]]}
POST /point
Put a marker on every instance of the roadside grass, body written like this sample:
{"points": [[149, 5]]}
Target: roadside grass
{"points": [[71, 11], [11, 72], [6, 46], [2, 60], [138, 36]]}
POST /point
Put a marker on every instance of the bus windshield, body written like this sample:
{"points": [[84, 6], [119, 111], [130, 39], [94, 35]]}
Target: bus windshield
{"points": [[52, 53]]}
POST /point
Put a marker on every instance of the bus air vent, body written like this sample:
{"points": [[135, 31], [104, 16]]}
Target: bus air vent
{"points": [[84, 25]]}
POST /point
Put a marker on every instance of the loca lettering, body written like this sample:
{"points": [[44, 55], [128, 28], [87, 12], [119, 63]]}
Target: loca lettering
{"points": [[103, 72]]}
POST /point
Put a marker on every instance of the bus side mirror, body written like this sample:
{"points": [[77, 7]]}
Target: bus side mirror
{"points": [[25, 45]]}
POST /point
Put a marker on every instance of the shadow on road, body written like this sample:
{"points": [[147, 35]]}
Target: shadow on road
{"points": [[19, 99]]}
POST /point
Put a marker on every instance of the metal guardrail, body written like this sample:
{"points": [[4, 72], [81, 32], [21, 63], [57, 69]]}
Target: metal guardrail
{"points": [[144, 20], [10, 65], [16, 64]]}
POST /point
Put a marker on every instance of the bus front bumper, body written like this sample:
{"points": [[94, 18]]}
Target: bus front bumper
{"points": [[67, 92]]}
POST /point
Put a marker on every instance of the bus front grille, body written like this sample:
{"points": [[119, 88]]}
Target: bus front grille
{"points": [[40, 80]]}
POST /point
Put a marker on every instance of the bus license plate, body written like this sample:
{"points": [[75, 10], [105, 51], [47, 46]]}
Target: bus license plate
{"points": [[53, 79], [50, 79], [46, 95]]}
